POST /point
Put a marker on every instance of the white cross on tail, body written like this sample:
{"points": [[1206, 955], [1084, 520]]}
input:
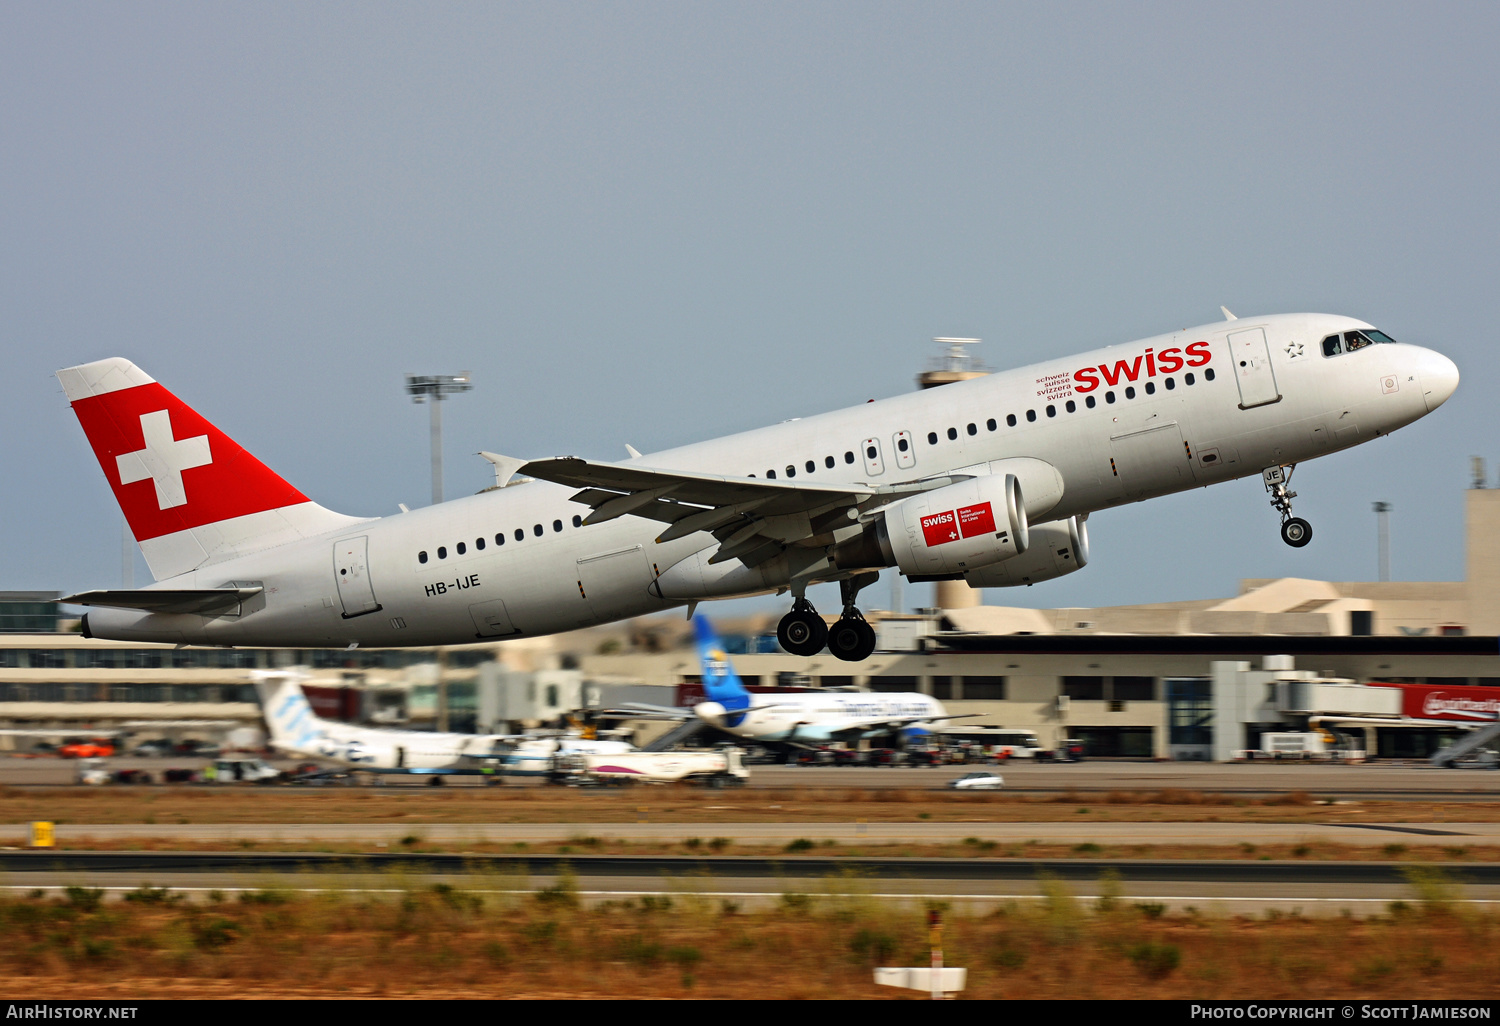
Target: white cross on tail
{"points": [[164, 459]]}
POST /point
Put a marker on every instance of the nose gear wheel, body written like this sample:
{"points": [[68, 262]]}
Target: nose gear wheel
{"points": [[1295, 531]]}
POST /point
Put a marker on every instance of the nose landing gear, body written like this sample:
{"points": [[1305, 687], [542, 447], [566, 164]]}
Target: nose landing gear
{"points": [[1295, 531]]}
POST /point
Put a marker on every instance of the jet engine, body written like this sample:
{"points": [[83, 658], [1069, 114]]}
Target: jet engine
{"points": [[1057, 548], [950, 530]]}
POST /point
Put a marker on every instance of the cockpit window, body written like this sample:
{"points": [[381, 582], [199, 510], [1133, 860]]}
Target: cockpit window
{"points": [[1331, 346], [1379, 337], [1355, 340]]}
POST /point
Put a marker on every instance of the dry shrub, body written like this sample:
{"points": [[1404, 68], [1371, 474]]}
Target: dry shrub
{"points": [[1292, 798]]}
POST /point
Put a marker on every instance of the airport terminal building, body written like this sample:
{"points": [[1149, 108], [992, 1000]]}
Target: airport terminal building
{"points": [[1189, 680]]}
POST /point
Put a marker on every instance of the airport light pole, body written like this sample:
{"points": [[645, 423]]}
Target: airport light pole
{"points": [[1383, 512], [433, 389]]}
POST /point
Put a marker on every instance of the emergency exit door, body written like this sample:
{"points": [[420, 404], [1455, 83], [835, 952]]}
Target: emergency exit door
{"points": [[1251, 358], [351, 569]]}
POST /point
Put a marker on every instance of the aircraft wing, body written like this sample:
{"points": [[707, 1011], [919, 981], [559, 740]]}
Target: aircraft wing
{"points": [[897, 722], [754, 519], [166, 600]]}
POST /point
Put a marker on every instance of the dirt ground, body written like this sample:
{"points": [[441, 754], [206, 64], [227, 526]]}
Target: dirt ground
{"points": [[683, 804]]}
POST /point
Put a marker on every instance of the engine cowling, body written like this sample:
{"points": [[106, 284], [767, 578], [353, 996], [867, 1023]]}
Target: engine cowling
{"points": [[958, 528], [1056, 549]]}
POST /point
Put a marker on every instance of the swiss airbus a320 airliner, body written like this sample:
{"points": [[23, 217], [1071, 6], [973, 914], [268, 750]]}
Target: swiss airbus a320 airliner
{"points": [[989, 481]]}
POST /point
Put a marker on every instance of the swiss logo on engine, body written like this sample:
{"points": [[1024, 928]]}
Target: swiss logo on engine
{"points": [[940, 528], [978, 519]]}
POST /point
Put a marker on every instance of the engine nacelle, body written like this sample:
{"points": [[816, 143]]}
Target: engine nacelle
{"points": [[1057, 548], [958, 528]]}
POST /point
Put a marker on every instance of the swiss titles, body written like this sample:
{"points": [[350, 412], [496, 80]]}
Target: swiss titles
{"points": [[1054, 386], [1147, 365]]}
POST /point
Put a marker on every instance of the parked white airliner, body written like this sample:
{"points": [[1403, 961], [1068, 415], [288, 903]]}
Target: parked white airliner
{"points": [[988, 480], [298, 731]]}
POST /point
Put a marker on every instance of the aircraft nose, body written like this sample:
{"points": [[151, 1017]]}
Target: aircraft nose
{"points": [[1439, 376]]}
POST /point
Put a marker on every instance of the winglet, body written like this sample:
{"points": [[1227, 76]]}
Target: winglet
{"points": [[505, 467], [634, 453], [1227, 315]]}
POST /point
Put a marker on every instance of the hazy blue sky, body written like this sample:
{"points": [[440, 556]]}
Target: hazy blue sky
{"points": [[656, 223]]}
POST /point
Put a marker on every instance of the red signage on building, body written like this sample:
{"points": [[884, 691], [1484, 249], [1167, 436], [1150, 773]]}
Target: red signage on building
{"points": [[1437, 702]]}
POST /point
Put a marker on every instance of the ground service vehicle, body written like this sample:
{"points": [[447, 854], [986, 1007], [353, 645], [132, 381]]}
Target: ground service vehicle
{"points": [[719, 768]]}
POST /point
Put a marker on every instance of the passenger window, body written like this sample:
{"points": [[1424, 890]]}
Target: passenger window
{"points": [[932, 438], [1170, 384], [952, 434], [520, 533], [479, 544], [791, 471], [421, 557], [1109, 397], [811, 466], [461, 548], [1129, 391], [1150, 388], [442, 552], [771, 474], [1208, 374], [1331, 346], [577, 520], [1051, 411], [828, 462], [536, 529], [500, 538], [973, 430], [557, 526], [1010, 419], [1030, 416], [901, 444], [1072, 407], [871, 452], [1188, 378], [1352, 340], [849, 456], [1089, 402], [991, 424]]}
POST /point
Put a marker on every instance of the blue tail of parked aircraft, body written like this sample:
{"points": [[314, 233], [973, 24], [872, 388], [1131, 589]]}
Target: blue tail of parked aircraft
{"points": [[720, 683]]}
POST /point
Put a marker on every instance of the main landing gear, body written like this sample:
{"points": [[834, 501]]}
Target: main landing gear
{"points": [[802, 631], [1295, 531]]}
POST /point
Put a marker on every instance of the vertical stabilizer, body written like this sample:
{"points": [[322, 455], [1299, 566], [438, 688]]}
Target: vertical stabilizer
{"points": [[720, 683], [290, 720], [191, 495]]}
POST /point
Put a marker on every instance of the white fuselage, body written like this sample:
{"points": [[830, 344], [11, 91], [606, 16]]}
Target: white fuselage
{"points": [[511, 561], [391, 750], [818, 718]]}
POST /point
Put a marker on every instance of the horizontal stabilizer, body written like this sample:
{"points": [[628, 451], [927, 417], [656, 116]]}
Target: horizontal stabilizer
{"points": [[204, 601]]}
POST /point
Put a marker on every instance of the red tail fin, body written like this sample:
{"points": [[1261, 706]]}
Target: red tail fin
{"points": [[175, 474]]}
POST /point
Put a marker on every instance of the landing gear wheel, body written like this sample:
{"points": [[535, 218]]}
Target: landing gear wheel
{"points": [[802, 632], [851, 639], [1296, 532]]}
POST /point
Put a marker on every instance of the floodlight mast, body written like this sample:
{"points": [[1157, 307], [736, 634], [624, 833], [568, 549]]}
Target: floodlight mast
{"points": [[435, 388]]}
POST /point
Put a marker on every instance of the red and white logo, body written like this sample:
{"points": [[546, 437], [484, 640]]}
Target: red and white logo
{"points": [[974, 520], [939, 529], [164, 459]]}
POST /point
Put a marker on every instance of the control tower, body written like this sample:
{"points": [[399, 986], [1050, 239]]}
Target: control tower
{"points": [[955, 364]]}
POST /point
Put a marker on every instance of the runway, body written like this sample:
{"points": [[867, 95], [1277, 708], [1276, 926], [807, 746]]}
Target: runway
{"points": [[1389, 779], [779, 834]]}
